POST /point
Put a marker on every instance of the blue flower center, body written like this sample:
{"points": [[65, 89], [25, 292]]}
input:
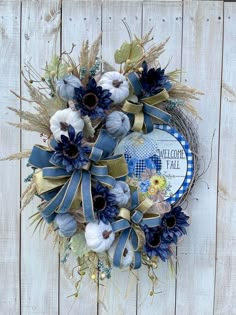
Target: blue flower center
{"points": [[99, 203], [171, 221], [71, 151], [154, 239], [90, 101]]}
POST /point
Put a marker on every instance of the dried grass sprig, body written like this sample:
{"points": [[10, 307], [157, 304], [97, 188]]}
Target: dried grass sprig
{"points": [[35, 94], [39, 122], [154, 52], [84, 52], [150, 55], [183, 92], [28, 194], [94, 50], [17, 156], [145, 38], [88, 56]]}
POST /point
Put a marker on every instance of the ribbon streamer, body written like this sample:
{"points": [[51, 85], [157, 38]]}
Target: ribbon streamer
{"points": [[146, 108], [130, 225]]}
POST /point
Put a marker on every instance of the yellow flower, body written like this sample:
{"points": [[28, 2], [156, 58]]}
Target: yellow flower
{"points": [[159, 182], [152, 190]]}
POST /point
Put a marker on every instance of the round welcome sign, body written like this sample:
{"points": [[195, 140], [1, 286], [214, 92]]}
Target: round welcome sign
{"points": [[160, 163]]}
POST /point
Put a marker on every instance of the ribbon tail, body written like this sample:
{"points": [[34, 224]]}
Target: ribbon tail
{"points": [[137, 238], [71, 192], [137, 260], [87, 199], [55, 202], [117, 259]]}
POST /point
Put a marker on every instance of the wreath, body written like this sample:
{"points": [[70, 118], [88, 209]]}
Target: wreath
{"points": [[115, 145]]}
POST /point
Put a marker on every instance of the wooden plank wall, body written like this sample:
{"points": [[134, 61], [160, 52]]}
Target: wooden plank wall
{"points": [[202, 42]]}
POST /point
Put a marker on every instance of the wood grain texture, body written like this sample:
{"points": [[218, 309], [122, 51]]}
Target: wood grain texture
{"points": [[226, 219], [81, 20], [9, 171], [166, 21], [201, 63], [39, 272]]}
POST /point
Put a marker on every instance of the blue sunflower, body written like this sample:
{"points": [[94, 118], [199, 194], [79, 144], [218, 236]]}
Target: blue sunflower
{"points": [[156, 244], [104, 203], [153, 80], [92, 100], [174, 223], [69, 152]]}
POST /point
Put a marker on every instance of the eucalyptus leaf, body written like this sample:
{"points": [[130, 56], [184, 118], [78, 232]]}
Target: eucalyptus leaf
{"points": [[122, 54], [78, 245]]}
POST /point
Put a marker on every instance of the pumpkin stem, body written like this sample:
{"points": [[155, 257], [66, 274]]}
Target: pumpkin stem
{"points": [[116, 83], [106, 234], [64, 126], [125, 252]]}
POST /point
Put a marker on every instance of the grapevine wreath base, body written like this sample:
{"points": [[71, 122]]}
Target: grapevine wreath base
{"points": [[118, 157]]}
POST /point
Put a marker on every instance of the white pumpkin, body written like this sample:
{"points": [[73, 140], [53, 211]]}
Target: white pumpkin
{"points": [[60, 121], [99, 236], [122, 192], [128, 253], [65, 224], [65, 86], [117, 124], [117, 84]]}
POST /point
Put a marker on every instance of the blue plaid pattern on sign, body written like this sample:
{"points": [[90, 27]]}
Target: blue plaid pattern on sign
{"points": [[137, 167], [190, 166]]}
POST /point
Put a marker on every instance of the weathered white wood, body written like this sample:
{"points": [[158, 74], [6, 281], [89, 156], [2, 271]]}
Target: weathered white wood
{"points": [[9, 170], [81, 20], [166, 20], [114, 31], [119, 294], [202, 57], [39, 268], [226, 218]]}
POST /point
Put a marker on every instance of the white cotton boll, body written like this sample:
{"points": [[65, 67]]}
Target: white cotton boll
{"points": [[60, 121], [99, 236], [128, 253], [65, 87], [117, 84], [122, 192], [117, 124]]}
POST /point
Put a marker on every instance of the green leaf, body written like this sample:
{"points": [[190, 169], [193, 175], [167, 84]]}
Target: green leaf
{"points": [[136, 52], [122, 54], [78, 245], [131, 51], [57, 66]]}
